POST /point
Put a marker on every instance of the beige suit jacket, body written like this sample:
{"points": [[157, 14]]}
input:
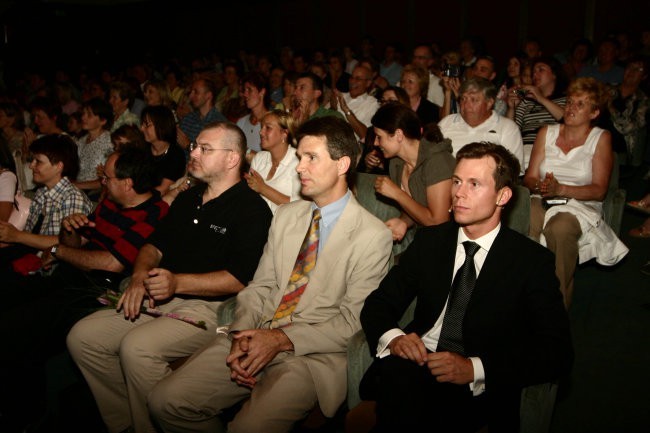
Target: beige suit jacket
{"points": [[351, 264]]}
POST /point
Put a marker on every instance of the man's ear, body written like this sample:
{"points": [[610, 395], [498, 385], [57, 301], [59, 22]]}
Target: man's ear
{"points": [[504, 196], [343, 165], [128, 184]]}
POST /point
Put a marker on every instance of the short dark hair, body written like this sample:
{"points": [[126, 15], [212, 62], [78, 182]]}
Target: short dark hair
{"points": [[133, 134], [125, 91], [258, 81], [101, 109], [316, 83], [393, 116], [164, 122], [59, 148], [234, 136], [137, 165], [506, 172], [339, 137]]}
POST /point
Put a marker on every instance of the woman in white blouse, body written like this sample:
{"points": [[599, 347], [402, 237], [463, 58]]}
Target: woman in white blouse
{"points": [[273, 170]]}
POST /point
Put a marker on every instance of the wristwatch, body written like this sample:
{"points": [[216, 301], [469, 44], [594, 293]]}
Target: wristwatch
{"points": [[54, 249]]}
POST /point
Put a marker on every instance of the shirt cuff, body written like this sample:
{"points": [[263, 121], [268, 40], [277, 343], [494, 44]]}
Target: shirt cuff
{"points": [[478, 386], [384, 340]]}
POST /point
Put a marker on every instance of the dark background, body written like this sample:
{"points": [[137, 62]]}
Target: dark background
{"points": [[51, 34]]}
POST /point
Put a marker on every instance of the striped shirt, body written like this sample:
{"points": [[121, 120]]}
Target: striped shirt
{"points": [[530, 116], [123, 231]]}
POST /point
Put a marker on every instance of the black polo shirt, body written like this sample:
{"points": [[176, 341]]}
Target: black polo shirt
{"points": [[227, 233]]}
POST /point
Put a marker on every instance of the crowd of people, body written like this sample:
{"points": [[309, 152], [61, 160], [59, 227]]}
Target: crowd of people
{"points": [[198, 184]]}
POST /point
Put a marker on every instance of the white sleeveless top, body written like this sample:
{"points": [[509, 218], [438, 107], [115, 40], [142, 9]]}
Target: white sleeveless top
{"points": [[598, 240], [573, 168]]}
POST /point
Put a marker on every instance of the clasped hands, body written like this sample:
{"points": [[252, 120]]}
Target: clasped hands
{"points": [[549, 186], [251, 350], [446, 366]]}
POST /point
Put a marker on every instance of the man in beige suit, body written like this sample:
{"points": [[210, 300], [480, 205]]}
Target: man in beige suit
{"points": [[287, 371]]}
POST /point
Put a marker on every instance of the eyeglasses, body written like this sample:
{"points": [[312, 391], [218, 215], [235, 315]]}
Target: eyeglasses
{"points": [[204, 150], [105, 178]]}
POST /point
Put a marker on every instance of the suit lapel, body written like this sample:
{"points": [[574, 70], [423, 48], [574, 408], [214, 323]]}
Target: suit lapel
{"points": [[496, 264]]}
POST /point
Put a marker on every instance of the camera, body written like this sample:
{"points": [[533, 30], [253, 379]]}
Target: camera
{"points": [[521, 93], [451, 71]]}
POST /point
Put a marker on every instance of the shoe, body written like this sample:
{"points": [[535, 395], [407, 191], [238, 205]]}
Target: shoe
{"points": [[645, 269], [640, 205], [640, 232]]}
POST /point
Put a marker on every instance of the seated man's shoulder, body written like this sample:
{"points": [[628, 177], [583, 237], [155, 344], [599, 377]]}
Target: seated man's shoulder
{"points": [[527, 249]]}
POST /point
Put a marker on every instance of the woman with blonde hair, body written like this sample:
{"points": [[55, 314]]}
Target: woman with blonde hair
{"points": [[273, 170], [572, 163], [415, 80]]}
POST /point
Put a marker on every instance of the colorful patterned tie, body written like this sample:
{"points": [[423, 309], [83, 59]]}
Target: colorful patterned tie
{"points": [[451, 335], [300, 276]]}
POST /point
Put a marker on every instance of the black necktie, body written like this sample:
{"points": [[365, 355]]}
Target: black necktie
{"points": [[451, 335]]}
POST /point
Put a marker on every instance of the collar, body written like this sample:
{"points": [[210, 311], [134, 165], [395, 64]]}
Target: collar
{"points": [[332, 211], [485, 241]]}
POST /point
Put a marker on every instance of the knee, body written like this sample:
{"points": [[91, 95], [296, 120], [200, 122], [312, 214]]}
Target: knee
{"points": [[79, 339], [137, 349], [562, 226]]}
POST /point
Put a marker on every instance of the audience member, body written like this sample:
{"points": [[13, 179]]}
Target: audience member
{"points": [[95, 146], [605, 70], [54, 165], [273, 170], [286, 349], [92, 254], [357, 105], [573, 160], [628, 108], [202, 97], [204, 251], [473, 343], [257, 99], [477, 121], [159, 130], [415, 81], [308, 99], [420, 170], [540, 103], [121, 98]]}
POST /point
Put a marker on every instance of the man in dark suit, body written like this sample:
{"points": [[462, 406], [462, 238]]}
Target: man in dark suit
{"points": [[512, 332]]}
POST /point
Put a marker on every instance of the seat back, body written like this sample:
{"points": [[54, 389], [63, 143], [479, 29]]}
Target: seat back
{"points": [[516, 213], [614, 203]]}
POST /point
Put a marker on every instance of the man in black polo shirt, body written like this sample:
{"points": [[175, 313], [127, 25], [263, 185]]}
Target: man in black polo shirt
{"points": [[205, 250]]}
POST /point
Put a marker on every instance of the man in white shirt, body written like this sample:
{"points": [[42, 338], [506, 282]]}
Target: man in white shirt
{"points": [[357, 105], [476, 120]]}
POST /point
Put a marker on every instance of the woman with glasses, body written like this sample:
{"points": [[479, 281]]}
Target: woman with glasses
{"points": [[159, 128], [273, 170], [573, 162]]}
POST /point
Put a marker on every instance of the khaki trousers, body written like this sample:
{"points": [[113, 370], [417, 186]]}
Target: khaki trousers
{"points": [[562, 233], [190, 399], [122, 360]]}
